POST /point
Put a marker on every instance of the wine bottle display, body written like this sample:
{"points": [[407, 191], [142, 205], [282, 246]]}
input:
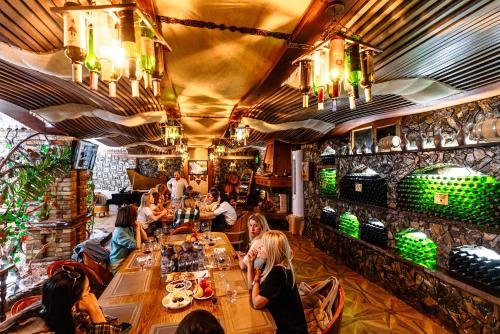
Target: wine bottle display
{"points": [[327, 159], [477, 263], [328, 216], [415, 246], [365, 188], [472, 199], [328, 181], [349, 224], [374, 232]]}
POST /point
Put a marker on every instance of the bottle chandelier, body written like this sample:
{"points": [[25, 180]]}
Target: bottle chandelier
{"points": [[172, 134], [239, 134], [340, 62], [113, 41]]}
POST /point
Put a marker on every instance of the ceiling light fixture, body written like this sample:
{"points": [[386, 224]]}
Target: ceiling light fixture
{"points": [[335, 59], [111, 40]]}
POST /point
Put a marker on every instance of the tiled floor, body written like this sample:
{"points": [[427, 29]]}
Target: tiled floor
{"points": [[368, 308]]}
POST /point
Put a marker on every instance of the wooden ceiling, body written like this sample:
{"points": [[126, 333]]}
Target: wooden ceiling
{"points": [[455, 42]]}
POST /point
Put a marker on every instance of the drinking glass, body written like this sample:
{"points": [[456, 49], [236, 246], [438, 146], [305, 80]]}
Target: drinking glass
{"points": [[231, 293], [196, 227]]}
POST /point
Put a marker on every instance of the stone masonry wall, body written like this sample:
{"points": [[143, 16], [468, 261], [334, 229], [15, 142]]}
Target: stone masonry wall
{"points": [[463, 308]]}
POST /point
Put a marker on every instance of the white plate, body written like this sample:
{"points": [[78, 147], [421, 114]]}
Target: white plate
{"points": [[179, 285], [203, 298], [168, 301]]}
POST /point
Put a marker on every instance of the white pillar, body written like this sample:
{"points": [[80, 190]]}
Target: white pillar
{"points": [[297, 184]]}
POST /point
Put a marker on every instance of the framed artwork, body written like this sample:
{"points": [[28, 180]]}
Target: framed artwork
{"points": [[388, 130], [198, 167], [362, 137]]}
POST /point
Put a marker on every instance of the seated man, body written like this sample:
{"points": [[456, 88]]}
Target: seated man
{"points": [[187, 213], [225, 215]]}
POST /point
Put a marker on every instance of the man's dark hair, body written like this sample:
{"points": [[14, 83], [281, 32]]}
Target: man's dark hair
{"points": [[199, 322]]}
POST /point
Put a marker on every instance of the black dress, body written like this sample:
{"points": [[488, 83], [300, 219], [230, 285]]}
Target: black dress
{"points": [[284, 301]]}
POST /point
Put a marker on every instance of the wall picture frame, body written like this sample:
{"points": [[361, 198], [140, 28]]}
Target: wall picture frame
{"points": [[198, 167]]}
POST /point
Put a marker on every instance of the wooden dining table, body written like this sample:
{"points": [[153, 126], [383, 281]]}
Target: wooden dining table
{"points": [[139, 294]]}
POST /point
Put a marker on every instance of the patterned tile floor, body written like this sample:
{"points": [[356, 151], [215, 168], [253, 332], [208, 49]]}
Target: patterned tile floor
{"points": [[368, 308]]}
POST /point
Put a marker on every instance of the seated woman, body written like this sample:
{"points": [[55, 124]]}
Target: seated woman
{"points": [[163, 192], [276, 288], [199, 322], [187, 213], [155, 203], [68, 307], [127, 236], [146, 216], [212, 199], [225, 215], [257, 226]]}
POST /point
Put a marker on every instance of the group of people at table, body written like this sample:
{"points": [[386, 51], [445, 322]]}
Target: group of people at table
{"points": [[70, 306]]}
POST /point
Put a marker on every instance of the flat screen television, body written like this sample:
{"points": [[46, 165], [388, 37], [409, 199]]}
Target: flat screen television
{"points": [[84, 154]]}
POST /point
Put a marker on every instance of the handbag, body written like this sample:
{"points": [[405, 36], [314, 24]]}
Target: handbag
{"points": [[317, 300]]}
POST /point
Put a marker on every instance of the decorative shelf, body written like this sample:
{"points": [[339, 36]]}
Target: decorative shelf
{"points": [[448, 148], [273, 181], [439, 273]]}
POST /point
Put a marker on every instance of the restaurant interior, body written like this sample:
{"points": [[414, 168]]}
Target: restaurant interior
{"points": [[362, 134]]}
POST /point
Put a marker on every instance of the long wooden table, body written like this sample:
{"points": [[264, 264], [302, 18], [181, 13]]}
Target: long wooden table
{"points": [[149, 292]]}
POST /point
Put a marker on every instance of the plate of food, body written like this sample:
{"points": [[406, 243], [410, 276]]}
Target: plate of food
{"points": [[181, 276], [203, 290], [176, 300], [179, 285]]}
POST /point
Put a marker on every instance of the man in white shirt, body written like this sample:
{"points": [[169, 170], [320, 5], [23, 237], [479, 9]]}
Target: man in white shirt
{"points": [[177, 185]]}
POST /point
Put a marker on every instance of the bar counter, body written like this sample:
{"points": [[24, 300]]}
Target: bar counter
{"points": [[141, 292]]}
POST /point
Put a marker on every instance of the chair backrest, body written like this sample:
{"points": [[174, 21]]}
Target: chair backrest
{"points": [[183, 229], [238, 232], [101, 271], [337, 310], [21, 304], [55, 266], [100, 199]]}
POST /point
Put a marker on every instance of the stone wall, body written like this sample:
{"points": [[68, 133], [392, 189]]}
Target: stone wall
{"points": [[110, 170], [149, 167], [460, 307], [430, 291]]}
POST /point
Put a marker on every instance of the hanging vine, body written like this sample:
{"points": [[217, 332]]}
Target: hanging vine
{"points": [[26, 174]]}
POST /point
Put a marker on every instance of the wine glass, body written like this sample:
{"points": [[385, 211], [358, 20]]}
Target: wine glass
{"points": [[231, 292], [196, 227], [214, 301]]}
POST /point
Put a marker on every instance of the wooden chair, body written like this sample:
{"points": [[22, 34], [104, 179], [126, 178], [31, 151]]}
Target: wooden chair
{"points": [[21, 304], [100, 206], [338, 308], [98, 268], [183, 229], [238, 232], [94, 279]]}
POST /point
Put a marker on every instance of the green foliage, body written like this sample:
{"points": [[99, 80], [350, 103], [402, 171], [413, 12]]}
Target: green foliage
{"points": [[26, 176]]}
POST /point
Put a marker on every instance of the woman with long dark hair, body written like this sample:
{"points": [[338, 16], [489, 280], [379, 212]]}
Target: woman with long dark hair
{"points": [[225, 215], [68, 307], [127, 236]]}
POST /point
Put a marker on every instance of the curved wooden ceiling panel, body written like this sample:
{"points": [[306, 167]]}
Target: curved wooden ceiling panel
{"points": [[455, 42]]}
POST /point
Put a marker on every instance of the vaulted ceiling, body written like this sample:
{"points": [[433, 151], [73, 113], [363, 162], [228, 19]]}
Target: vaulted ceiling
{"points": [[230, 59]]}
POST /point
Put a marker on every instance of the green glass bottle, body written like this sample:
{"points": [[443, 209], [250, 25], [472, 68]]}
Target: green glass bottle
{"points": [[148, 60], [91, 62]]}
